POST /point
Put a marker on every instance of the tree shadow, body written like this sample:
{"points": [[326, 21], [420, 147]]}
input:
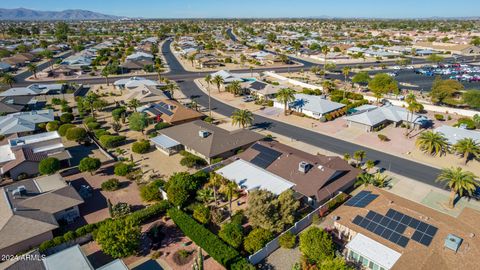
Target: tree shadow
{"points": [[262, 125]]}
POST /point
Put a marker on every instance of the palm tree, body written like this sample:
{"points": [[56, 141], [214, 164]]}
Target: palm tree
{"points": [[242, 118], [467, 148], [458, 181], [359, 155], [328, 86], [380, 180], [364, 179], [120, 151], [8, 79], [33, 69], [133, 104], [346, 72], [235, 88], [208, 80], [159, 69], [171, 86], [48, 55], [251, 71], [432, 143], [413, 108], [286, 95], [369, 164], [215, 182], [106, 73], [325, 51], [218, 80], [229, 189], [346, 157], [191, 58], [205, 195]]}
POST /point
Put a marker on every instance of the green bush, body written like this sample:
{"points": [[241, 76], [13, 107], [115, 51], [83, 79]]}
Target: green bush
{"points": [[62, 130], [100, 132], [468, 122], [439, 117], [214, 246], [208, 119], [111, 141], [67, 118], [69, 236], [242, 264], [49, 165], [151, 192], [52, 126], [77, 134], [93, 125], [191, 161], [232, 234], [383, 138], [122, 168], [117, 113], [151, 212], [111, 184], [89, 119], [141, 147], [201, 213], [257, 239], [287, 240], [161, 125]]}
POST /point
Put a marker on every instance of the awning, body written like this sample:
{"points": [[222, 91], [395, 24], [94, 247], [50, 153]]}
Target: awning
{"points": [[164, 142]]}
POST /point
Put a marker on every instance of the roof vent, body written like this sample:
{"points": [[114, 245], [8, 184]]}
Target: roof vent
{"points": [[453, 242], [19, 191], [203, 133], [304, 166]]}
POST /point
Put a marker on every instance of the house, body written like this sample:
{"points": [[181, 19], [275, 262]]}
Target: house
{"points": [[73, 258], [261, 89], [31, 210], [204, 140], [310, 105], [378, 116], [134, 82], [20, 59], [24, 122], [20, 156], [170, 111], [34, 90], [230, 77], [139, 56], [454, 134], [132, 65], [77, 61], [16, 104], [452, 48], [386, 231], [5, 67], [316, 178]]}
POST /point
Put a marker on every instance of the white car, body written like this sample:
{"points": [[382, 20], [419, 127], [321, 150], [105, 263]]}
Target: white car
{"points": [[248, 98], [392, 74], [410, 67], [396, 67]]}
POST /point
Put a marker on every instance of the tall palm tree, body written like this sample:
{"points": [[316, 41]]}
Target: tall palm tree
{"points": [[106, 74], [325, 50], [346, 157], [364, 179], [242, 118], [48, 55], [359, 155], [208, 80], [413, 108], [285, 96], [458, 181], [218, 80], [8, 79], [215, 182], [235, 88], [369, 164], [467, 148], [159, 69], [229, 188], [171, 87], [33, 69], [432, 143], [346, 72]]}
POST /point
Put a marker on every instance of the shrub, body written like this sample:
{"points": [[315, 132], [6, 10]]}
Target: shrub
{"points": [[151, 212], [257, 239], [232, 234], [69, 236], [52, 126], [100, 132], [468, 122], [67, 118], [242, 264], [161, 125], [93, 125], [122, 168], [89, 119], [151, 192], [62, 130], [120, 209], [191, 161], [383, 138], [181, 257], [49, 165], [287, 240], [77, 134], [439, 117], [111, 141], [111, 184], [201, 213], [117, 113], [89, 164], [328, 117], [204, 238], [208, 119], [141, 147]]}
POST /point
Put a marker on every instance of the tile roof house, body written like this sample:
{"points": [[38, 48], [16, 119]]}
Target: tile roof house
{"points": [[136, 64], [317, 177], [310, 105], [209, 141], [392, 232], [34, 90], [138, 56], [30, 211], [24, 122], [22, 155], [374, 117], [170, 111], [261, 89]]}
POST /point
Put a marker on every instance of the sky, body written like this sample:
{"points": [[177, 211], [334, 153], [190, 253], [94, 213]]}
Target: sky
{"points": [[261, 8]]}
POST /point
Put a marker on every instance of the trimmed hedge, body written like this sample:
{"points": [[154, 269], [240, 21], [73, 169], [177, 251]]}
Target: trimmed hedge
{"points": [[214, 246], [111, 141]]}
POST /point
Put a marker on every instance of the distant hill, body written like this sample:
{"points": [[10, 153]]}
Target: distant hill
{"points": [[23, 14]]}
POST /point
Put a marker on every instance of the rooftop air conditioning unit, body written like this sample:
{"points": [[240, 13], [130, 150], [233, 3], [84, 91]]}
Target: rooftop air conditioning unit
{"points": [[203, 133], [19, 191], [304, 166]]}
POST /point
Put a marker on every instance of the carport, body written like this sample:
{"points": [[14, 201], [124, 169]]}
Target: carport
{"points": [[166, 144]]}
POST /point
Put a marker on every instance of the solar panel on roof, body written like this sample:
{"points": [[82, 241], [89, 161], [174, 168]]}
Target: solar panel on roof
{"points": [[357, 220], [431, 230], [362, 199], [265, 156], [426, 240]]}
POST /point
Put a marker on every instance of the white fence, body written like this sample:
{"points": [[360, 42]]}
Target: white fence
{"points": [[295, 229], [292, 81]]}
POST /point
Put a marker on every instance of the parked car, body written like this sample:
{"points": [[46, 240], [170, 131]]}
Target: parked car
{"points": [[248, 98]]}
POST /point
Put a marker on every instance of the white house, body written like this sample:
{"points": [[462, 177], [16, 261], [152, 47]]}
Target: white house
{"points": [[310, 105]]}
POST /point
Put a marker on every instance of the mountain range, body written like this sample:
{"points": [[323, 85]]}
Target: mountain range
{"points": [[23, 14]]}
